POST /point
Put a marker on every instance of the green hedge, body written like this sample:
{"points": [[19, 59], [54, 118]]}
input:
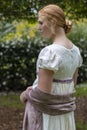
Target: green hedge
{"points": [[18, 64], [18, 59], [83, 70]]}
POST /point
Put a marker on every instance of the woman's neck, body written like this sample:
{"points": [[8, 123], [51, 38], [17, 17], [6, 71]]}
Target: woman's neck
{"points": [[60, 35], [61, 39]]}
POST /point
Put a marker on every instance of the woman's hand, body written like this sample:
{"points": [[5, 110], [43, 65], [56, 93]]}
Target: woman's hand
{"points": [[29, 88], [23, 96]]}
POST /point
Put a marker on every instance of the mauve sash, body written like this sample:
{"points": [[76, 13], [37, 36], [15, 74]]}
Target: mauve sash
{"points": [[32, 118], [40, 102]]}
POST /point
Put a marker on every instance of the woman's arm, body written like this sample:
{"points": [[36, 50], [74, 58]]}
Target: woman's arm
{"points": [[44, 83], [75, 77], [45, 80]]}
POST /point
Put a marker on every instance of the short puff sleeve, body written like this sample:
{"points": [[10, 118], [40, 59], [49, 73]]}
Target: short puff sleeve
{"points": [[48, 59]]}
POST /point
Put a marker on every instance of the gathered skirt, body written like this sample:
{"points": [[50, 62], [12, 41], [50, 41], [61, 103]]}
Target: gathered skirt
{"points": [[60, 122]]}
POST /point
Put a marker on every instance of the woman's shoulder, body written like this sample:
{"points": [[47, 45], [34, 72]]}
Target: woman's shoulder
{"points": [[55, 48], [50, 47], [49, 59], [46, 49], [49, 50], [76, 48]]}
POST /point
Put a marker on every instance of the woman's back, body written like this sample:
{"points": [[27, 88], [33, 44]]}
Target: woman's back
{"points": [[64, 61]]}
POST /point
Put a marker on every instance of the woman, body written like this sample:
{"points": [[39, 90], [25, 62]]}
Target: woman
{"points": [[57, 68]]}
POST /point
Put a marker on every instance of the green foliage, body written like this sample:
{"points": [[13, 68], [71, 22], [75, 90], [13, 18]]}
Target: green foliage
{"points": [[79, 37], [16, 31], [27, 9], [78, 34], [81, 90], [18, 63], [19, 48], [11, 100], [81, 125]]}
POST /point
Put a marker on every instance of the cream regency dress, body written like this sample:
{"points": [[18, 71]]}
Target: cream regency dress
{"points": [[63, 62]]}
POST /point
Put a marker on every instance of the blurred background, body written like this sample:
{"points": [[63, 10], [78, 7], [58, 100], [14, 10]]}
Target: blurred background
{"points": [[20, 44], [20, 41]]}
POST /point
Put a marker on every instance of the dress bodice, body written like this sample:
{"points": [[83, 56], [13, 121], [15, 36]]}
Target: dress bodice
{"points": [[59, 59]]}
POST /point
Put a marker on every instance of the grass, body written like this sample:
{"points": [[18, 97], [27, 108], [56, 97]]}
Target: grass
{"points": [[13, 99], [81, 90], [81, 126]]}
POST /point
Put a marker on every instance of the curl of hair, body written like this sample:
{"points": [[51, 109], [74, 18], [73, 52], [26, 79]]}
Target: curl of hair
{"points": [[67, 26]]}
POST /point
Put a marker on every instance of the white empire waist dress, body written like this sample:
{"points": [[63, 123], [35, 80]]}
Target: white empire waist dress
{"points": [[63, 62]]}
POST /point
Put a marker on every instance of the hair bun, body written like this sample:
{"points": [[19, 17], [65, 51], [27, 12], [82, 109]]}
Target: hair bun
{"points": [[67, 26]]}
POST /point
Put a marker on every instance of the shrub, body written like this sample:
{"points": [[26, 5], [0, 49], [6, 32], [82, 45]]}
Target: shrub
{"points": [[18, 58]]}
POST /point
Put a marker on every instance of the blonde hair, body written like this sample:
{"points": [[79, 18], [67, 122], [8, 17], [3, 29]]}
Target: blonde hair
{"points": [[55, 17]]}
